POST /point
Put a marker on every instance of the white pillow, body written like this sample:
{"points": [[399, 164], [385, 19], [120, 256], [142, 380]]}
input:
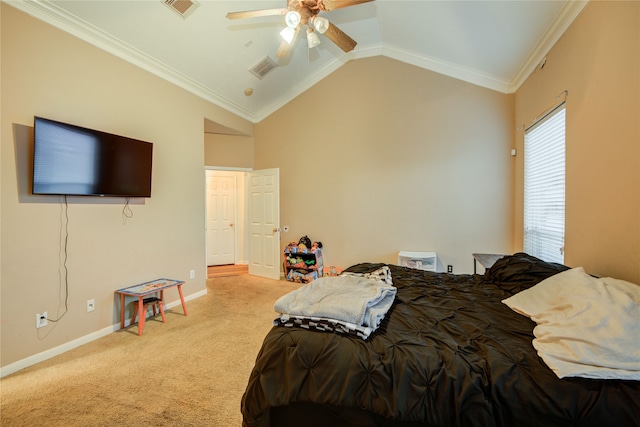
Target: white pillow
{"points": [[586, 326]]}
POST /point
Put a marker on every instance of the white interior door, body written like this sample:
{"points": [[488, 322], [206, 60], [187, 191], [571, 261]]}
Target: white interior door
{"points": [[221, 218], [264, 223]]}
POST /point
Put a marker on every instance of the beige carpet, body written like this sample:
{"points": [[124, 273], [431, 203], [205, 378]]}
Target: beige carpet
{"points": [[190, 371]]}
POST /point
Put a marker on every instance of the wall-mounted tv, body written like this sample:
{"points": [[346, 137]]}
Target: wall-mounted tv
{"points": [[72, 160]]}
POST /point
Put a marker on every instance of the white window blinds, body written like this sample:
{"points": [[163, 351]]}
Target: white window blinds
{"points": [[544, 187]]}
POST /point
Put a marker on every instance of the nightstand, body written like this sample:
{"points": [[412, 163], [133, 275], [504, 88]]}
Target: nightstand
{"points": [[485, 260]]}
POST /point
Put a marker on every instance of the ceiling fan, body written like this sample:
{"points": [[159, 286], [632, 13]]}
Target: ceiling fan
{"points": [[305, 12]]}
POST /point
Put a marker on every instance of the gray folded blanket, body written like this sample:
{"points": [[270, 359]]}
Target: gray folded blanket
{"points": [[351, 299]]}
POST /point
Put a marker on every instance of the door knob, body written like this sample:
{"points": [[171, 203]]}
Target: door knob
{"points": [[275, 230], [230, 225]]}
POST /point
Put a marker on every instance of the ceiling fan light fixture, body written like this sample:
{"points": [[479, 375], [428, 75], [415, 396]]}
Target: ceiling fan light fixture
{"points": [[320, 24], [287, 34], [312, 39], [292, 18]]}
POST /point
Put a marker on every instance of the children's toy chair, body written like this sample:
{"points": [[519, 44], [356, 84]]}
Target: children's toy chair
{"points": [[154, 302]]}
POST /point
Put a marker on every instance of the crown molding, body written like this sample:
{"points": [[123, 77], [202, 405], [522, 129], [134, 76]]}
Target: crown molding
{"points": [[53, 15], [57, 17], [448, 69], [569, 12]]}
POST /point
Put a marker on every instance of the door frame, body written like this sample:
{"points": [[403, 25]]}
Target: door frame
{"points": [[241, 238], [242, 249]]}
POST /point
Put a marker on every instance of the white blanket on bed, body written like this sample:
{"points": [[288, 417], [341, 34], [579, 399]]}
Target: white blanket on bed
{"points": [[352, 299], [586, 326]]}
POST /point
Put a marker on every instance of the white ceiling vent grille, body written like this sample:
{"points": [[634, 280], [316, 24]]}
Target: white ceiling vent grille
{"points": [[263, 67], [183, 8]]}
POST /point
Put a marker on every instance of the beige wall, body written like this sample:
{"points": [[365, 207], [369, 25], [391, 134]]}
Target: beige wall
{"points": [[49, 73], [597, 61], [228, 151], [382, 156]]}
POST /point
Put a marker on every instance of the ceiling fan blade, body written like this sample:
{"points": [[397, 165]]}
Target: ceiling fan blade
{"points": [[256, 13], [285, 48], [328, 5], [341, 39]]}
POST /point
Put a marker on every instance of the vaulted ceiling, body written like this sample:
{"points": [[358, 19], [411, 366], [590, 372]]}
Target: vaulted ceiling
{"points": [[494, 44]]}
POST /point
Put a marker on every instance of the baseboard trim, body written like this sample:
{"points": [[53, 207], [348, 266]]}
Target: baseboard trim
{"points": [[48, 354]]}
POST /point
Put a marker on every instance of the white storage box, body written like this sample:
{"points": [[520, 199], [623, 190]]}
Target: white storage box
{"points": [[420, 260]]}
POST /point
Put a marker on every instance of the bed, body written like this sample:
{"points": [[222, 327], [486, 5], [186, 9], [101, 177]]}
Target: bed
{"points": [[449, 352]]}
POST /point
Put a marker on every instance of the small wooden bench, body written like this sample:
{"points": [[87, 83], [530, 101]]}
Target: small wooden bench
{"points": [[144, 290]]}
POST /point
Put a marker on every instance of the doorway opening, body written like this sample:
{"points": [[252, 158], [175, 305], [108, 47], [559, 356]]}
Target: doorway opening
{"points": [[226, 219], [243, 220]]}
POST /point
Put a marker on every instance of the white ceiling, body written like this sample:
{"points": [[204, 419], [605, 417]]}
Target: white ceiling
{"points": [[494, 44]]}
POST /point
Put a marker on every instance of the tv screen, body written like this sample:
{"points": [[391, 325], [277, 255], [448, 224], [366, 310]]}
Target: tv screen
{"points": [[72, 160]]}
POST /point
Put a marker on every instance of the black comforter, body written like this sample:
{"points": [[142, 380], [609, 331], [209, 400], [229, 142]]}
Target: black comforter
{"points": [[448, 353]]}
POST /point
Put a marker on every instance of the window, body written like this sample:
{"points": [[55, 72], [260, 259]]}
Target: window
{"points": [[544, 187]]}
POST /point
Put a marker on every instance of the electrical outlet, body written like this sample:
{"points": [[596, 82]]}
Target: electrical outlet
{"points": [[449, 268], [91, 305], [41, 320], [192, 274]]}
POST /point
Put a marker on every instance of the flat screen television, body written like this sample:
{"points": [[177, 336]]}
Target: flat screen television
{"points": [[72, 160]]}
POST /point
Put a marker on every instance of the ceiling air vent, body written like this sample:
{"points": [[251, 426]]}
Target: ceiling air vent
{"points": [[183, 8], [261, 69]]}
